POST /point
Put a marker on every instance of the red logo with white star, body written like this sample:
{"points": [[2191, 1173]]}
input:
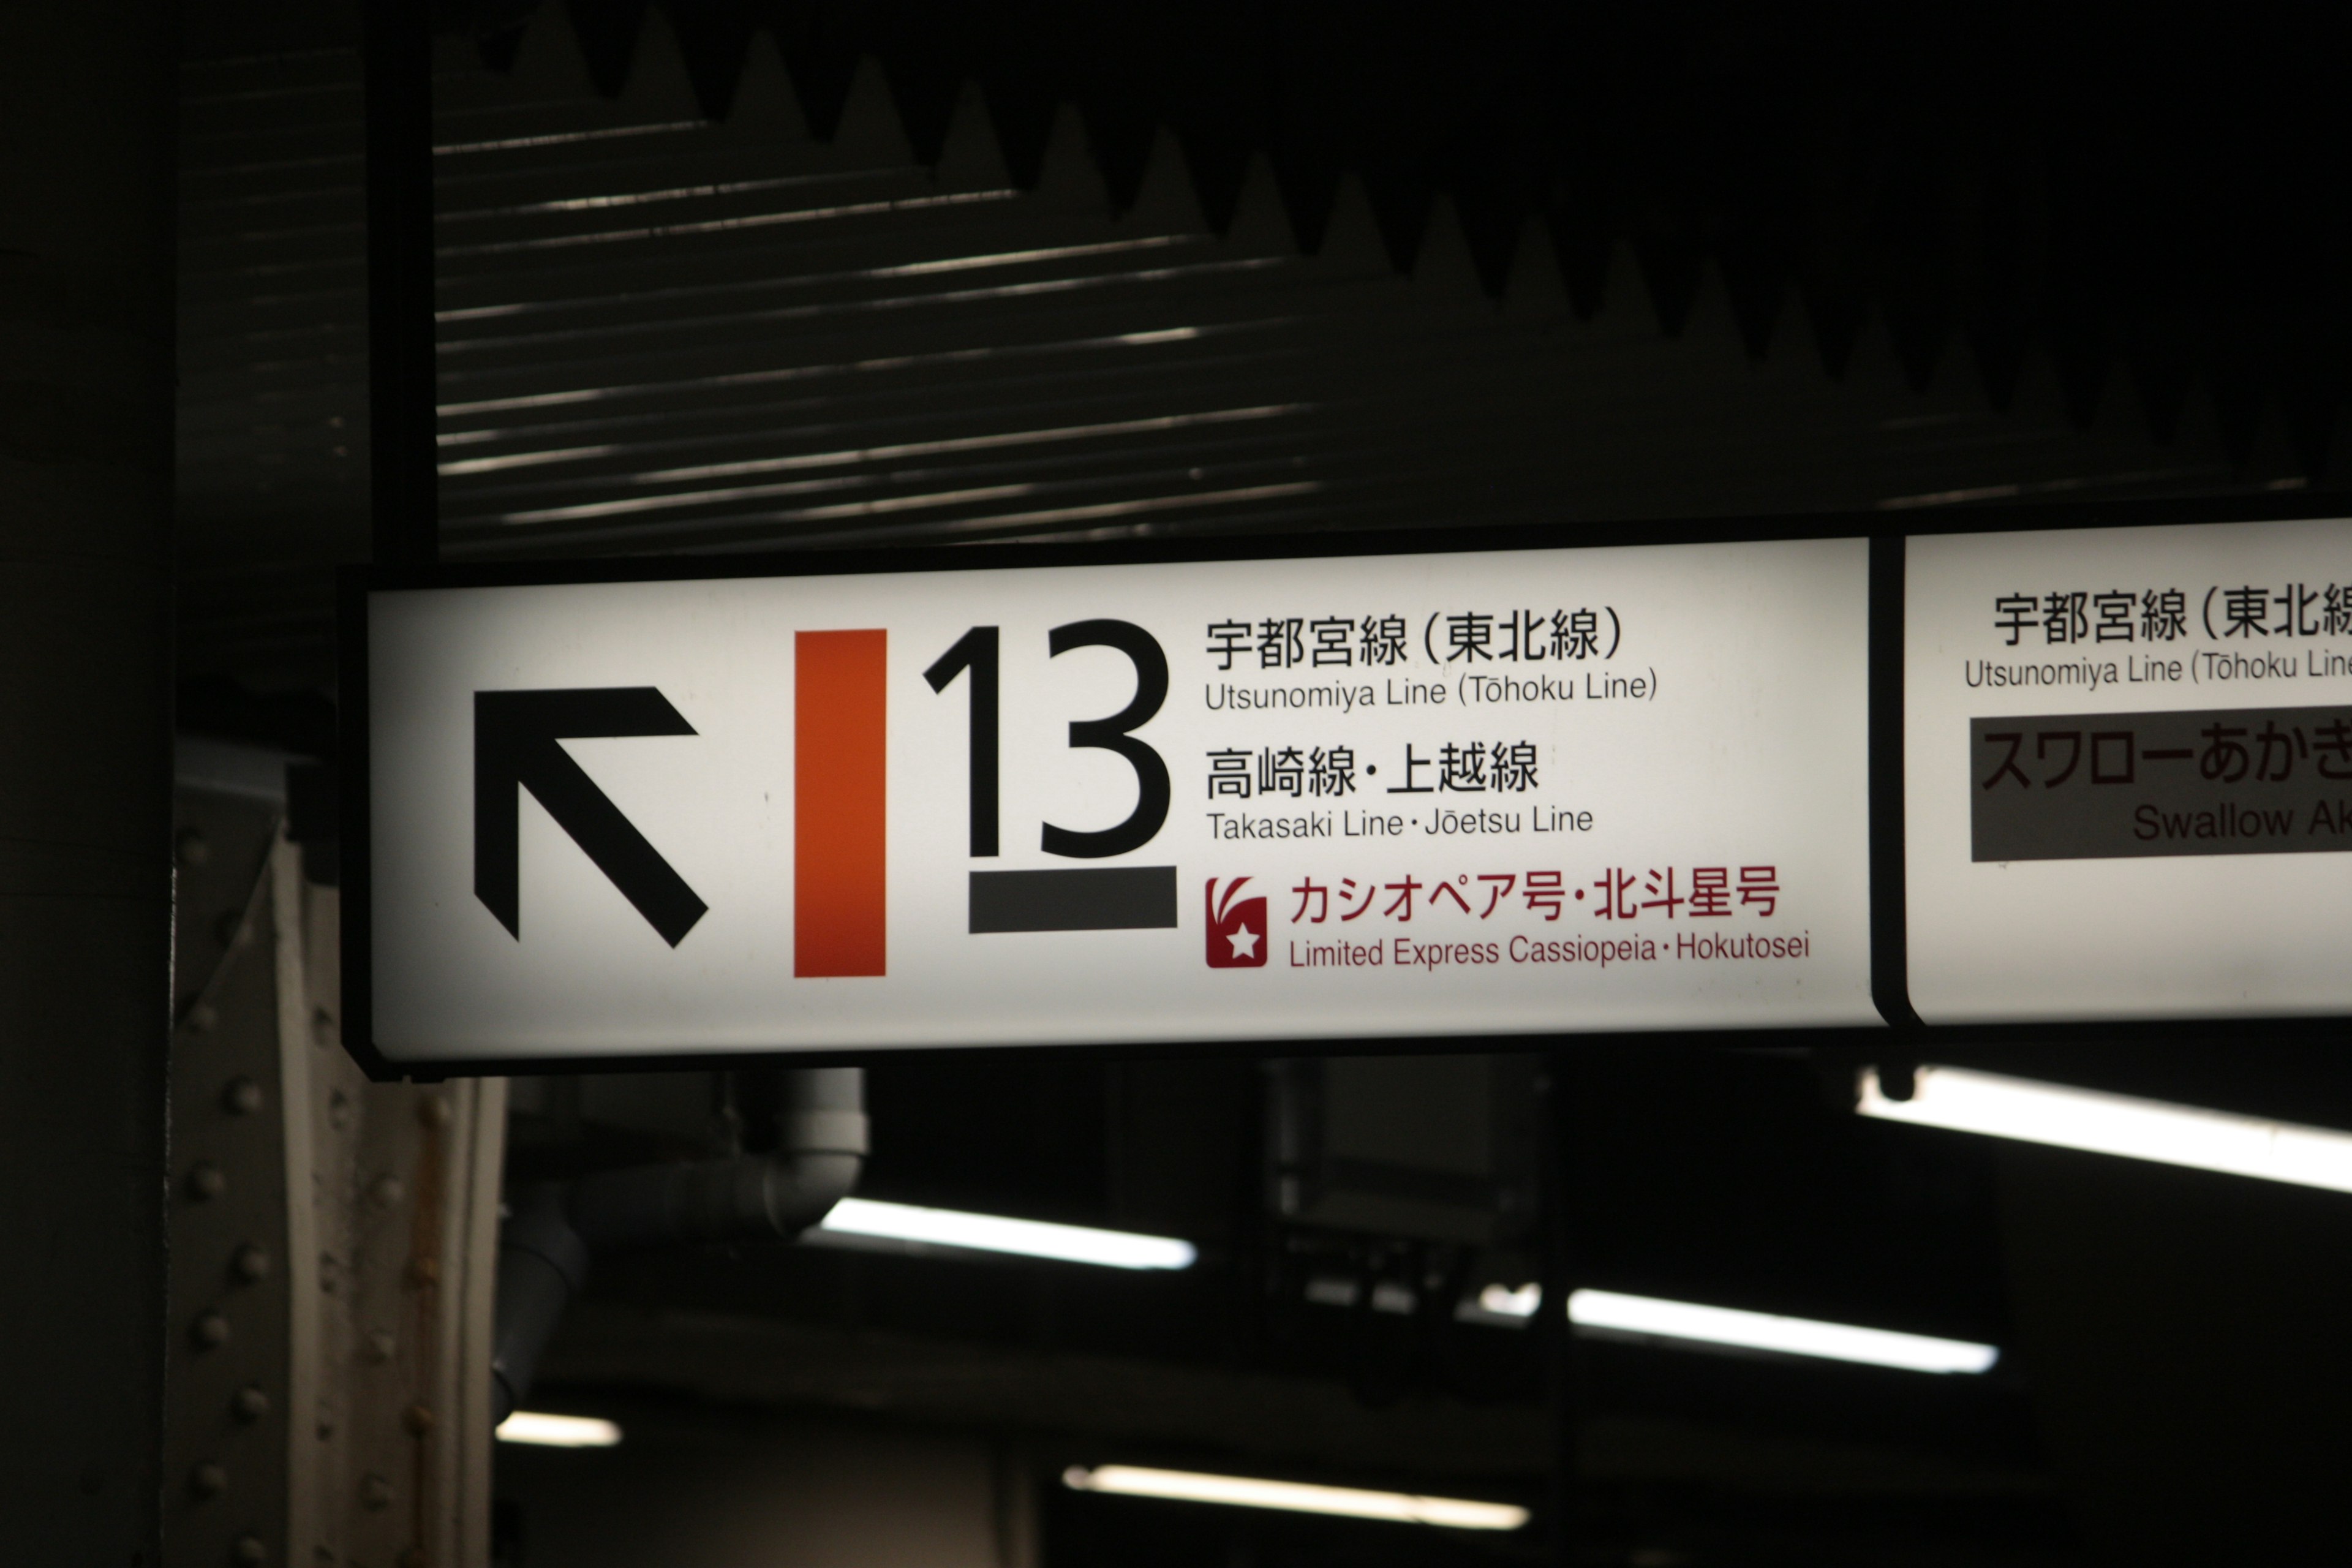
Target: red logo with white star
{"points": [[1237, 928]]}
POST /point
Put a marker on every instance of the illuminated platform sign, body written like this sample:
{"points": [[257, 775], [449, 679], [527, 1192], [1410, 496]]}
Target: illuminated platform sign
{"points": [[1342, 797], [2128, 772]]}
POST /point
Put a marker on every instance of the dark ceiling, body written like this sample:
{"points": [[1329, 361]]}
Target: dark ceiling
{"points": [[2136, 194], [890, 298]]}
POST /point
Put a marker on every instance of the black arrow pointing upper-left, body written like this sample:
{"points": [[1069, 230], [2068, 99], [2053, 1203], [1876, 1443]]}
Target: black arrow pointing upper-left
{"points": [[516, 736]]}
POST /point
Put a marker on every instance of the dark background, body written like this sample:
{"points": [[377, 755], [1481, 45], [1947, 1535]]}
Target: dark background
{"points": [[714, 276]]}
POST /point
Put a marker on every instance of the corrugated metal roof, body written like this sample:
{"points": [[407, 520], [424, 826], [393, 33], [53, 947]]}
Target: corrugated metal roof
{"points": [[662, 333]]}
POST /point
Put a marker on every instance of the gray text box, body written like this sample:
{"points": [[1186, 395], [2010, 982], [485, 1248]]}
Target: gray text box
{"points": [[1078, 898], [2222, 781]]}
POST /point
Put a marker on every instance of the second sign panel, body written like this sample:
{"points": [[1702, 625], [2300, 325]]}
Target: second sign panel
{"points": [[2127, 766]]}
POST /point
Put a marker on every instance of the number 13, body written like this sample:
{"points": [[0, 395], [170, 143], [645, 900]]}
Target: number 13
{"points": [[975, 651]]}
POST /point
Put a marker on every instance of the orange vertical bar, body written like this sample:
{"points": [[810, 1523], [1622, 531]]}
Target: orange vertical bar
{"points": [[840, 685]]}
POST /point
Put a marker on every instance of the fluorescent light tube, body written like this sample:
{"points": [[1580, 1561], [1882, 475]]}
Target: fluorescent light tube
{"points": [[993, 1233], [1615, 1312], [1771, 1332], [1295, 1497], [558, 1431], [1967, 1101]]}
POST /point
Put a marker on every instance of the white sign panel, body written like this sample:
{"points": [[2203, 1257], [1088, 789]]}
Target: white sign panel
{"points": [[1426, 795], [2128, 771]]}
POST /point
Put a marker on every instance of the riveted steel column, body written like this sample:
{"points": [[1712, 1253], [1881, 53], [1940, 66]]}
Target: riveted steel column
{"points": [[87, 106], [332, 1244]]}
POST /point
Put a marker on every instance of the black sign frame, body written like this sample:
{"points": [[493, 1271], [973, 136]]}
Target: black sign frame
{"points": [[1904, 1038]]}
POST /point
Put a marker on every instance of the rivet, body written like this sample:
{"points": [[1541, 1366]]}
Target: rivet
{"points": [[375, 1489], [322, 1027], [241, 1096], [208, 1479], [380, 1345], [338, 1111], [424, 1271], [206, 1180], [251, 1262], [249, 1402], [385, 1192], [201, 1018], [211, 1329], [435, 1111], [418, 1419], [331, 1273], [192, 847], [249, 1550]]}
